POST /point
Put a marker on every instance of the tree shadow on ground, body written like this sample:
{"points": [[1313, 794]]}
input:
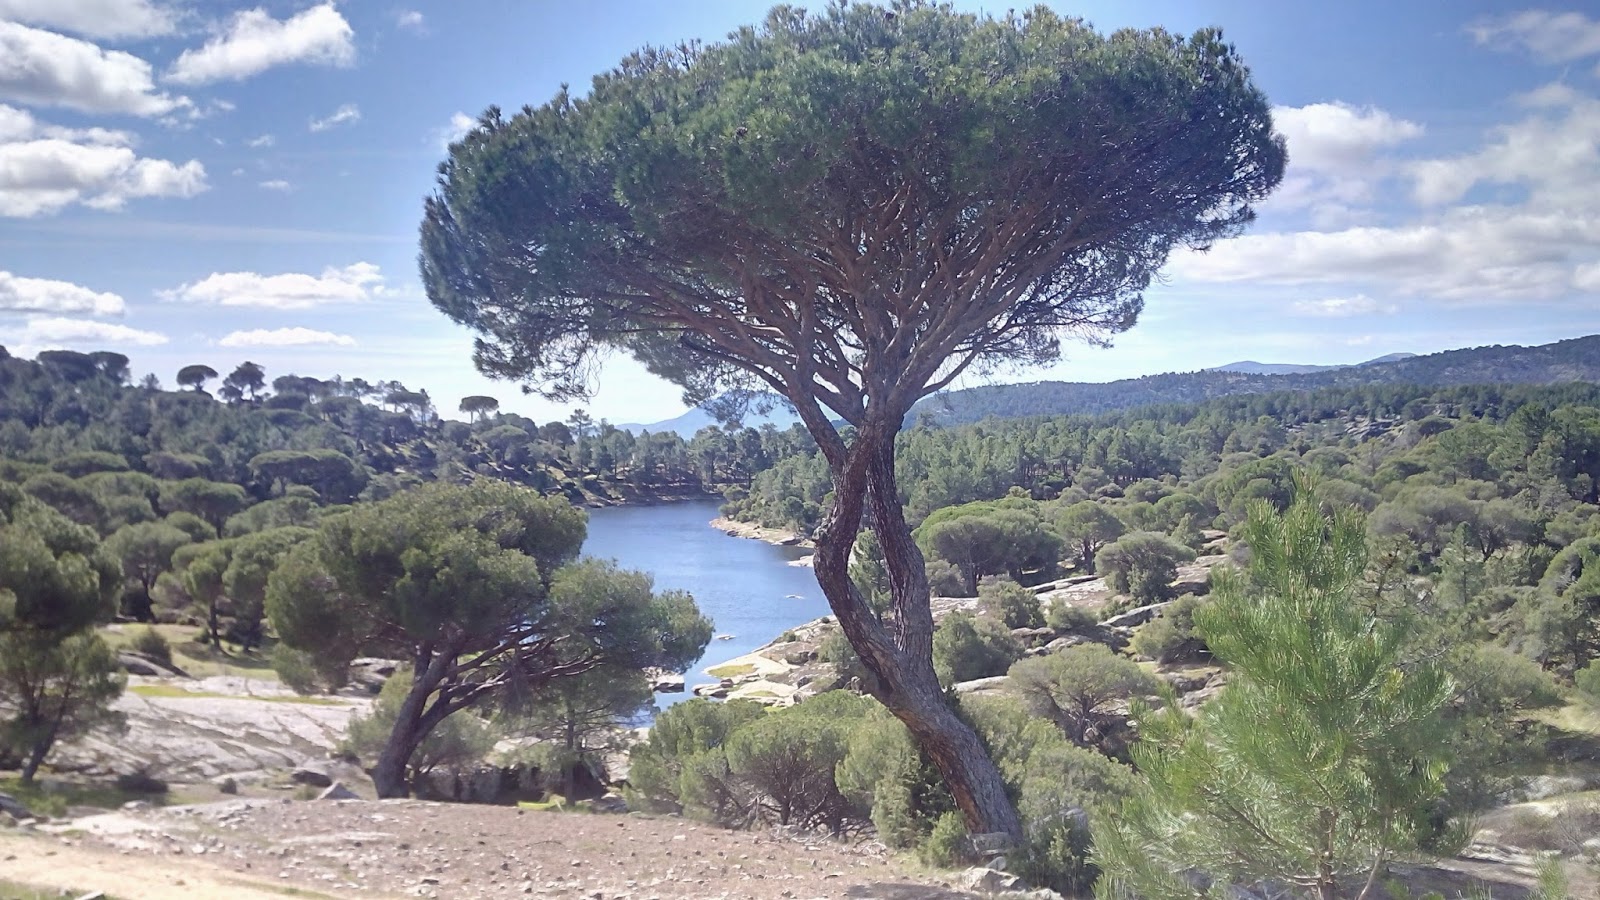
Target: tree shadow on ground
{"points": [[903, 891]]}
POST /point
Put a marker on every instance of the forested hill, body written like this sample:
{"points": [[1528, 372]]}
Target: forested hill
{"points": [[1564, 361]]}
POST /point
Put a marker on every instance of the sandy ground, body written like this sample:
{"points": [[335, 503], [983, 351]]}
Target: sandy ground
{"points": [[407, 848]]}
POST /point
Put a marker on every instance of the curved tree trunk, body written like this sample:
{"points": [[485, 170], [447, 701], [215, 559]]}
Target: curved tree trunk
{"points": [[899, 652]]}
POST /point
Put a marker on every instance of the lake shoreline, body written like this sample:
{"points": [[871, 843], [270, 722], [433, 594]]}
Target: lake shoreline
{"points": [[780, 537]]}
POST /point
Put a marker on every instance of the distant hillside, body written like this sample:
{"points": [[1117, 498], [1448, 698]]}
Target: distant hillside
{"points": [[1571, 360], [1251, 367], [781, 416]]}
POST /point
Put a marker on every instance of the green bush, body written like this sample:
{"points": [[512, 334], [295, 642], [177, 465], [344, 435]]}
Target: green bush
{"points": [[680, 733], [300, 672], [149, 642], [944, 579], [1171, 636], [1011, 603], [946, 845], [884, 771], [967, 647], [1588, 681], [1063, 616], [1142, 565]]}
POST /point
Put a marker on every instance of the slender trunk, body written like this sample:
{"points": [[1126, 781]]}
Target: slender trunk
{"points": [[903, 661], [30, 766], [389, 775]]}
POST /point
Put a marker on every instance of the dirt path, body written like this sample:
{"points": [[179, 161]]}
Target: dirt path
{"points": [[366, 849], [44, 862]]}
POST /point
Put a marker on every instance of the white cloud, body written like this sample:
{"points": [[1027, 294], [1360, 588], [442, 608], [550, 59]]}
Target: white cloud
{"points": [[1554, 155], [411, 20], [285, 337], [276, 184], [265, 140], [94, 18], [1549, 36], [255, 42], [460, 124], [48, 69], [46, 332], [44, 168], [1472, 253], [1338, 137], [292, 290], [41, 295], [1517, 218], [348, 113], [1342, 307]]}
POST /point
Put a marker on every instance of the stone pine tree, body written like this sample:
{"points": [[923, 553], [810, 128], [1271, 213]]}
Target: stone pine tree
{"points": [[472, 586], [195, 377], [1324, 755], [850, 209]]}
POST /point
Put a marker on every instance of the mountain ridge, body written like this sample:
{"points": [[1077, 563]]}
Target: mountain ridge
{"points": [[1574, 359]]}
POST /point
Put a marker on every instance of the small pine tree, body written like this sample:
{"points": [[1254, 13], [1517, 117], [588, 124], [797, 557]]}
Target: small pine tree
{"points": [[1322, 757]]}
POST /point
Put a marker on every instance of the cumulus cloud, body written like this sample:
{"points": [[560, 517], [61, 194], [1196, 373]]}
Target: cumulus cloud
{"points": [[47, 69], [1553, 154], [460, 124], [292, 290], [44, 168], [255, 42], [1554, 37], [346, 114], [411, 20], [276, 184], [286, 337], [1338, 137], [257, 143], [42, 295], [94, 18], [1342, 307], [48, 332]]}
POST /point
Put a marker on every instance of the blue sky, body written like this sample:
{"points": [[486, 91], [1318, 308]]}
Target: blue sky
{"points": [[200, 181]]}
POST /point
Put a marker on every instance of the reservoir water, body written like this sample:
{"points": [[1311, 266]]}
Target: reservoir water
{"points": [[746, 587]]}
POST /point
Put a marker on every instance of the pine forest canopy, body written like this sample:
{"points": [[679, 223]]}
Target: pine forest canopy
{"points": [[850, 209]]}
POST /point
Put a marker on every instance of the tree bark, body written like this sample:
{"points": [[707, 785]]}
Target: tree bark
{"points": [[903, 661], [30, 766], [389, 775]]}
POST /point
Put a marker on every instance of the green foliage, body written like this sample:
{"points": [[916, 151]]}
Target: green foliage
{"points": [[1087, 526], [149, 642], [946, 845], [1171, 637], [1588, 681], [1064, 616], [1321, 758], [680, 733], [985, 539], [1142, 565], [1073, 688], [54, 688], [1011, 603], [967, 647], [470, 583]]}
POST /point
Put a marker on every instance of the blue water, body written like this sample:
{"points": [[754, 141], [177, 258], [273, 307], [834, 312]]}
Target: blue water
{"points": [[744, 586]]}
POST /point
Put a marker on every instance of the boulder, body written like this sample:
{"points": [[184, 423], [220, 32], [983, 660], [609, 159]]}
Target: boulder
{"points": [[315, 772], [1136, 617], [13, 807], [993, 683], [337, 791], [982, 880], [666, 682]]}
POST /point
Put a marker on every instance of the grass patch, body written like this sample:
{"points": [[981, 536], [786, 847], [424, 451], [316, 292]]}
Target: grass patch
{"points": [[731, 670], [62, 795], [16, 890], [195, 658], [172, 690]]}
